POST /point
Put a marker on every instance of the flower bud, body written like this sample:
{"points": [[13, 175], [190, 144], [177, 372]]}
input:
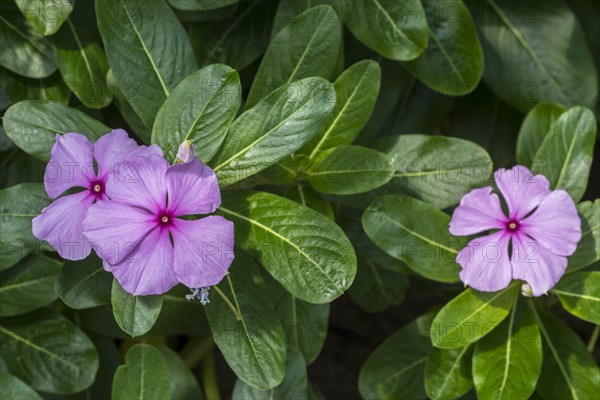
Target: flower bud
{"points": [[526, 290], [186, 152]]}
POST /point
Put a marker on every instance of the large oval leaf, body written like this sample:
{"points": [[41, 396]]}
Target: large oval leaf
{"points": [[134, 314], [534, 129], [12, 387], [148, 51], [588, 248], [143, 377], [318, 264], [182, 382], [46, 15], [85, 284], [452, 63], [416, 233], [448, 372], [579, 294], [49, 353], [33, 124], [200, 109]]}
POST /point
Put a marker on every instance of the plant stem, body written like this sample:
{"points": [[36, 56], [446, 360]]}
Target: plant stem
{"points": [[209, 377], [592, 344], [233, 308], [196, 349]]}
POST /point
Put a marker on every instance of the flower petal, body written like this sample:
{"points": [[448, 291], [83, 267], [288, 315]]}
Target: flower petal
{"points": [[555, 224], [61, 225], [71, 164], [149, 268], [536, 265], [115, 229], [478, 211], [140, 182], [193, 189], [485, 263], [522, 190], [203, 250]]}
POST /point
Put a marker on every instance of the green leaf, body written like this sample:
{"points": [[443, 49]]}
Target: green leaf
{"points": [[524, 67], [254, 345], [452, 63], [311, 199], [568, 370], [18, 206], [24, 51], [201, 5], [579, 294], [46, 351], [12, 387], [448, 372], [376, 288], [10, 255], [347, 169], [320, 262], [294, 384], [356, 91], [183, 383], [19, 88], [436, 169], [84, 284], [470, 316], [148, 51], [200, 109], [565, 156], [308, 46], [395, 370], [396, 30], [416, 233], [534, 129], [507, 363], [179, 316], [144, 376], [588, 248], [46, 15], [29, 285], [277, 126], [134, 314], [33, 125]]}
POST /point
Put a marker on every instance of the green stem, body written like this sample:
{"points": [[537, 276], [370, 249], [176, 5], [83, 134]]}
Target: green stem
{"points": [[594, 339], [209, 377], [195, 350], [233, 308]]}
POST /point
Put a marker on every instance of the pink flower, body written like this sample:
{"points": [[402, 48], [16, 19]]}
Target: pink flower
{"points": [[531, 243], [72, 166]]}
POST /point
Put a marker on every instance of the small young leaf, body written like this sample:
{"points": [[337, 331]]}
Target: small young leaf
{"points": [[534, 129], [144, 376], [579, 294], [134, 314], [448, 372]]}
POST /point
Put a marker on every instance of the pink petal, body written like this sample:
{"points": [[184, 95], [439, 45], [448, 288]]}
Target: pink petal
{"points": [[71, 164], [112, 148], [149, 268], [478, 211], [115, 229], [61, 225], [193, 189], [536, 265], [522, 190], [555, 224], [203, 250], [485, 262], [140, 182]]}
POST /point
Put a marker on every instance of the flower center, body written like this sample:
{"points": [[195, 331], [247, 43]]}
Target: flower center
{"points": [[164, 219], [97, 188], [512, 226]]}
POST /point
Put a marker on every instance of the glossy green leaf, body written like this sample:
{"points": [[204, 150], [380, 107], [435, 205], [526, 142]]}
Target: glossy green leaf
{"points": [[144, 376], [200, 109], [28, 285], [148, 51], [579, 294], [470, 316], [308, 46], [19, 88], [396, 30], [85, 284], [452, 63], [588, 248], [311, 199], [277, 126], [416, 233], [356, 91], [522, 66], [12, 387], [201, 5], [376, 288], [254, 345], [565, 156], [46, 351], [320, 263], [10, 255], [534, 129], [182, 382], [507, 362], [33, 125], [46, 15], [395, 370], [24, 50], [436, 169], [134, 314], [345, 170], [568, 370], [448, 372]]}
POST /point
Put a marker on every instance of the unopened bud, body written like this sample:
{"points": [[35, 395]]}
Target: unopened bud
{"points": [[186, 152], [526, 290]]}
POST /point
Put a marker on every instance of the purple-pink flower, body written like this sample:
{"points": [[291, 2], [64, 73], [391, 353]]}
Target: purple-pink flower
{"points": [[530, 244]]}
